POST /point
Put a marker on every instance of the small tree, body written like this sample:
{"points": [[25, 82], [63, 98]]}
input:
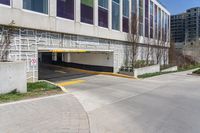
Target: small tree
{"points": [[133, 37], [5, 42], [148, 51], [172, 53], [158, 50]]}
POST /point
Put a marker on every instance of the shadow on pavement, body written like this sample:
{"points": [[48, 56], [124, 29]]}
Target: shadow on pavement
{"points": [[55, 73]]}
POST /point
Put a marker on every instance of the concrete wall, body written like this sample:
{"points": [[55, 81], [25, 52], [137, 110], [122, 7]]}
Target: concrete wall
{"points": [[26, 43], [171, 69], [145, 70], [98, 59], [13, 76], [50, 22]]}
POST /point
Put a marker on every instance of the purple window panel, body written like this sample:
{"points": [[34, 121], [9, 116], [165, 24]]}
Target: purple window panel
{"points": [[125, 24], [151, 32], [103, 17], [146, 28], [6, 2], [65, 9], [86, 14], [147, 18]]}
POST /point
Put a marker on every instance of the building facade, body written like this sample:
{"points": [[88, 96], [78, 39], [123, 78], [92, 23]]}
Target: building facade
{"points": [[193, 26], [185, 27], [82, 32], [178, 29], [185, 32]]}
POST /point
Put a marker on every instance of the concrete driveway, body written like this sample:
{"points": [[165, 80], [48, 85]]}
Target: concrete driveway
{"points": [[164, 104]]}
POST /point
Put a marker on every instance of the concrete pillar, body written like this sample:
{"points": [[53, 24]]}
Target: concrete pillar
{"points": [[121, 15], [18, 4], [52, 8], [96, 16], [54, 56], [78, 11], [68, 57], [110, 14]]}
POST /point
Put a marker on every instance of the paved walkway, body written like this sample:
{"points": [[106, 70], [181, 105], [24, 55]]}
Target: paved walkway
{"points": [[164, 104], [55, 114]]}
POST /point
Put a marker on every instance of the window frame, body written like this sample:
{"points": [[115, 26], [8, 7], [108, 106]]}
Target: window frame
{"points": [[93, 21], [62, 18], [99, 6], [8, 6], [117, 30], [35, 12], [124, 16]]}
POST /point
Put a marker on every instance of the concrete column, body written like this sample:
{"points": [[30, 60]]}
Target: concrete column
{"points": [[78, 10], [110, 14], [121, 15], [54, 56], [52, 8], [18, 4], [68, 57], [96, 16]]}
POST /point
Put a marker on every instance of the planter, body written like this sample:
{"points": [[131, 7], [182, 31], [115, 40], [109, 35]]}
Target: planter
{"points": [[13, 77], [141, 71], [171, 69], [146, 70]]}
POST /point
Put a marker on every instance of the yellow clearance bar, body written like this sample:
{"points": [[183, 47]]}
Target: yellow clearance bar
{"points": [[70, 50]]}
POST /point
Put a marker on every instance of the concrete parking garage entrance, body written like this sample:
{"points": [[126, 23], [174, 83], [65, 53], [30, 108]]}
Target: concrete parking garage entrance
{"points": [[51, 61]]}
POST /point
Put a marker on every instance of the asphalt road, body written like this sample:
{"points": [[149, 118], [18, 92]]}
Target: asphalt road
{"points": [[163, 104]]}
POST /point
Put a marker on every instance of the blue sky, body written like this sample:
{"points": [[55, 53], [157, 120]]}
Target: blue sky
{"points": [[179, 6]]}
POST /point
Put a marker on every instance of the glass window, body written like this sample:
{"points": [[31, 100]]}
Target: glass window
{"points": [[141, 17], [134, 6], [103, 13], [115, 14], [151, 19], [166, 26], [5, 2], [146, 18], [40, 6], [134, 20], [103, 3], [65, 9], [163, 26], [159, 23], [156, 21], [87, 11], [126, 15]]}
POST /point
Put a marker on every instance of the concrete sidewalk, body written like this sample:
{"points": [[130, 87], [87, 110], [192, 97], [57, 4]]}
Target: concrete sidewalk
{"points": [[54, 114]]}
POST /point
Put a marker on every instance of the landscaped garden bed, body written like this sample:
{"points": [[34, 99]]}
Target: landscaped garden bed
{"points": [[34, 90], [197, 72]]}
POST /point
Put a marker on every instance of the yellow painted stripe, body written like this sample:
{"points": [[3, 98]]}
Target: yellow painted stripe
{"points": [[70, 50], [103, 73], [71, 82]]}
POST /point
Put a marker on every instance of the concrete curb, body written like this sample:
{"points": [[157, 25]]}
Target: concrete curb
{"points": [[31, 99], [61, 87], [103, 73]]}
